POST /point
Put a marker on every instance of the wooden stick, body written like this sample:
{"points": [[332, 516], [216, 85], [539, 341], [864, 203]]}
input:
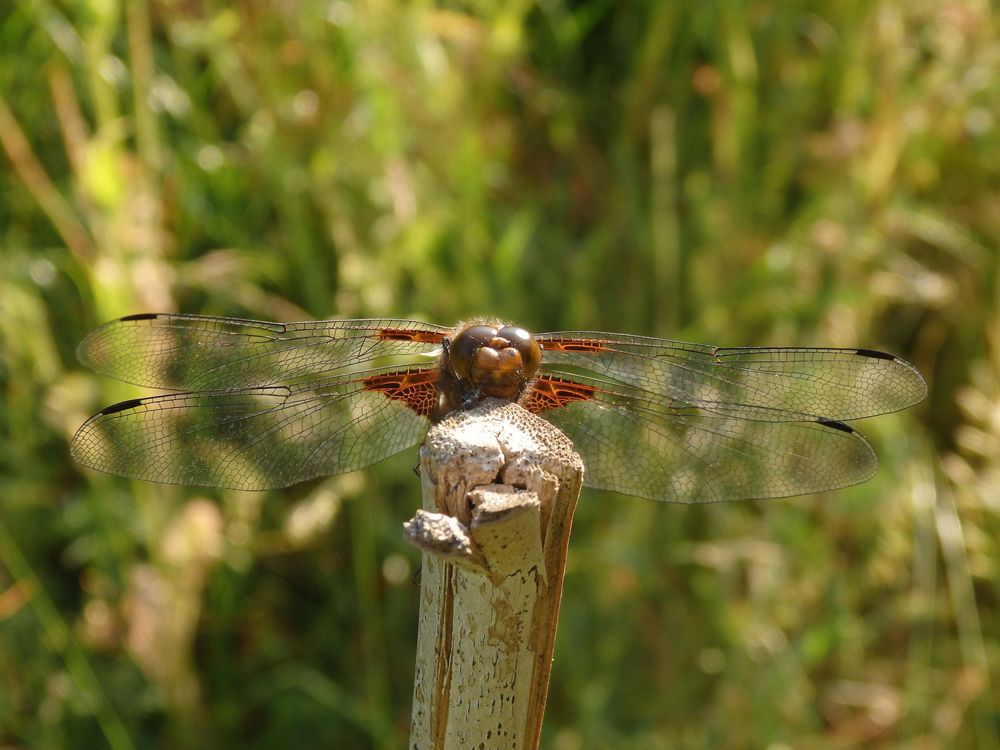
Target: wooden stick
{"points": [[500, 486]]}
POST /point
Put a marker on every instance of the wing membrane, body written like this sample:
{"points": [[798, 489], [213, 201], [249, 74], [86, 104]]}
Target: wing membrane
{"points": [[837, 384], [255, 438], [269, 404], [193, 352], [694, 453]]}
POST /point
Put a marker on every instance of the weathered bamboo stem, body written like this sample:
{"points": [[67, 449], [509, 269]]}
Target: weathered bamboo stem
{"points": [[500, 486]]}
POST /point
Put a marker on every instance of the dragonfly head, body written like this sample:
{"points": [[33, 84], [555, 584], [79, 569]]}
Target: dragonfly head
{"points": [[496, 360]]}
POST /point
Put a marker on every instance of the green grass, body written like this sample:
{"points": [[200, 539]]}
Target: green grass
{"points": [[824, 173]]}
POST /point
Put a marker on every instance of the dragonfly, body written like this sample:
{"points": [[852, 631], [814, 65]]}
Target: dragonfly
{"points": [[254, 405]]}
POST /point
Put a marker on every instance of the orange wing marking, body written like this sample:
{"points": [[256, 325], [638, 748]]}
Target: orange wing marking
{"points": [[574, 345], [405, 334], [552, 393], [415, 387]]}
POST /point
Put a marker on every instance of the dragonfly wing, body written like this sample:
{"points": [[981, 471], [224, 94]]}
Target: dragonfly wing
{"points": [[836, 384], [263, 437], [193, 352], [686, 453]]}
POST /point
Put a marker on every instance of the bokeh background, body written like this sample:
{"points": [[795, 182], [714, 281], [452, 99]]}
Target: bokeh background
{"points": [[740, 173]]}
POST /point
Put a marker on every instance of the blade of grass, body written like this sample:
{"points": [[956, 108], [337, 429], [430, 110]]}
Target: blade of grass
{"points": [[61, 639]]}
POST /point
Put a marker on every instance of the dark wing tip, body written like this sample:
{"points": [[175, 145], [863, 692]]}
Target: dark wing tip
{"points": [[837, 426], [874, 353], [120, 406], [140, 316]]}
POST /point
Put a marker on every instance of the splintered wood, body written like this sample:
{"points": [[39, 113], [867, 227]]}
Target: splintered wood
{"points": [[500, 486]]}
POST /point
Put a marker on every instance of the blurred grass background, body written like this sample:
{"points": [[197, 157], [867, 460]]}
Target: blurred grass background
{"points": [[741, 173]]}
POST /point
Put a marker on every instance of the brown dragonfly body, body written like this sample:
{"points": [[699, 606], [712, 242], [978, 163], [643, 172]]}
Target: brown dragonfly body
{"points": [[256, 405]]}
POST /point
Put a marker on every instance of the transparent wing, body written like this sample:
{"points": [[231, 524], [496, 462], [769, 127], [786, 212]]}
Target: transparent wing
{"points": [[836, 384], [193, 352], [263, 437], [697, 453]]}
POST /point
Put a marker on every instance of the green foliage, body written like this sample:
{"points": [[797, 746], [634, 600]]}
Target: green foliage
{"points": [[734, 172]]}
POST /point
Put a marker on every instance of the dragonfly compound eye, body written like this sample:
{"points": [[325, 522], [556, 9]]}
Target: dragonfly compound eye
{"points": [[526, 346], [464, 347]]}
